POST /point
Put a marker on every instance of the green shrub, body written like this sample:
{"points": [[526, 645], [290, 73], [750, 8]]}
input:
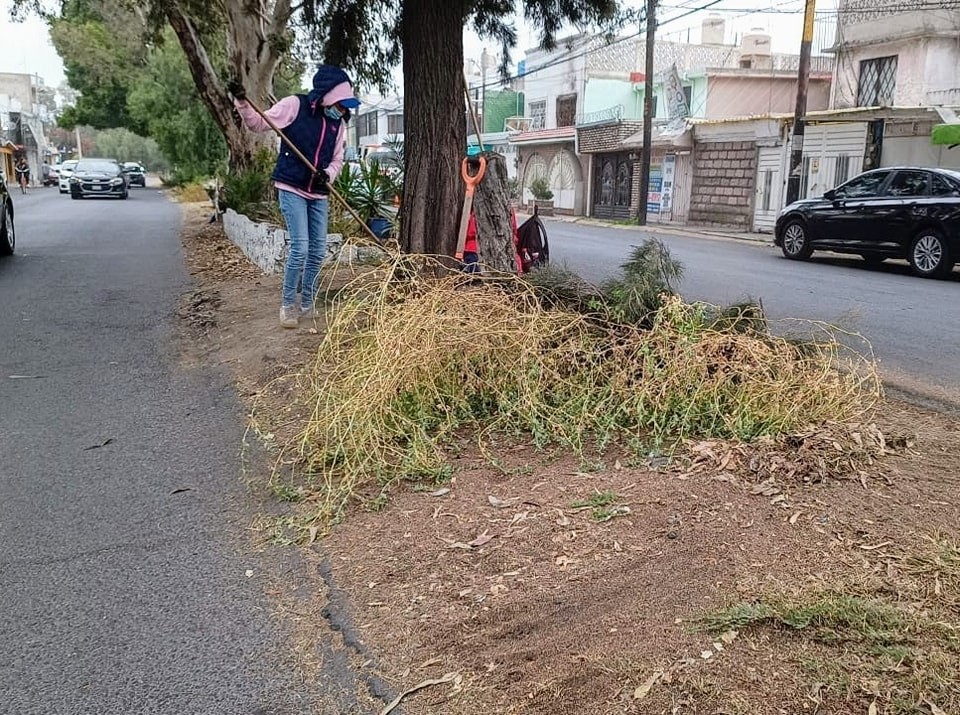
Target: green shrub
{"points": [[251, 192], [540, 189]]}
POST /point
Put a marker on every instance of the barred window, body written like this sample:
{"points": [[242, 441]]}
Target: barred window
{"points": [[538, 114], [394, 124], [878, 82]]}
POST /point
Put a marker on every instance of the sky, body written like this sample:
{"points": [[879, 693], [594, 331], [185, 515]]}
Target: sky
{"points": [[26, 47]]}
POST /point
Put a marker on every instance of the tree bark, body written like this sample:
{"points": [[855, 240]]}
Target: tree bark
{"points": [[253, 62], [435, 131], [491, 206]]}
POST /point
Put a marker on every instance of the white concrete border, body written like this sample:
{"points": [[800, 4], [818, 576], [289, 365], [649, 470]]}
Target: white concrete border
{"points": [[266, 245]]}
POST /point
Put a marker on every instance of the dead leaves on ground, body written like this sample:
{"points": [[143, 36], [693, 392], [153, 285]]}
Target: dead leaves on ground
{"points": [[829, 452]]}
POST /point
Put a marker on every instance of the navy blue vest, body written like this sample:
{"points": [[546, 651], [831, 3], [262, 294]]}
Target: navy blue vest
{"points": [[313, 134]]}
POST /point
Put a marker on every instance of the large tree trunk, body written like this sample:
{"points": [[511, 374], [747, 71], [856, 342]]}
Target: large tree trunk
{"points": [[435, 131], [491, 205], [253, 59]]}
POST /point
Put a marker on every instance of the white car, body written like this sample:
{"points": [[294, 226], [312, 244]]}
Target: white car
{"points": [[66, 170]]}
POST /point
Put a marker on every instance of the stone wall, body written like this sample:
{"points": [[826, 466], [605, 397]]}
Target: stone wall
{"points": [[724, 178], [266, 245]]}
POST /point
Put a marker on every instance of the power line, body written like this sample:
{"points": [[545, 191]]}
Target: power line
{"points": [[598, 48]]}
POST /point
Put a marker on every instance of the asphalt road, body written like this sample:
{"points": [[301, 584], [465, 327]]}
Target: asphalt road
{"points": [[911, 323], [119, 593]]}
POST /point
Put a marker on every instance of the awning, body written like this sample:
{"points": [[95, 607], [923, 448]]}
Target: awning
{"points": [[948, 134], [676, 135]]}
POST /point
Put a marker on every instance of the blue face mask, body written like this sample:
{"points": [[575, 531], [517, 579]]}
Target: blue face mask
{"points": [[333, 113]]}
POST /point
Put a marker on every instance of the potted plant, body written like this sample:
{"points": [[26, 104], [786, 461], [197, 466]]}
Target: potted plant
{"points": [[542, 196]]}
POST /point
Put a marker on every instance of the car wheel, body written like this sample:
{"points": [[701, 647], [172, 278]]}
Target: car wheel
{"points": [[8, 236], [873, 259], [124, 195], [930, 255], [74, 195], [796, 245]]}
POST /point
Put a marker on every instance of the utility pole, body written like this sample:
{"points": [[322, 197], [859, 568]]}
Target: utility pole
{"points": [[647, 114], [803, 81], [484, 61], [79, 145]]}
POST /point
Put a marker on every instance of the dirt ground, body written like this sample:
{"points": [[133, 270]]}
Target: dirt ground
{"points": [[544, 586]]}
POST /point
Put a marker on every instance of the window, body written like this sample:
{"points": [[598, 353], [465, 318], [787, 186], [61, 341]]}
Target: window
{"points": [[394, 124], [688, 96], [367, 124], [878, 82], [863, 186], [538, 114], [567, 110], [767, 203], [843, 169], [943, 187], [909, 183]]}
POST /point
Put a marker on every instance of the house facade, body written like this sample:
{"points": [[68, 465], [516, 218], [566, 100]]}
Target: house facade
{"points": [[584, 118], [377, 121], [21, 125]]}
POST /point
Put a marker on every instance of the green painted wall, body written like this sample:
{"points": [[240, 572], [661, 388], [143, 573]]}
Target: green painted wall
{"points": [[605, 93], [501, 104]]}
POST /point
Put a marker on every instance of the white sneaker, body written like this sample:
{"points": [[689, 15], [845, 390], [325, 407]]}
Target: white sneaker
{"points": [[289, 316]]}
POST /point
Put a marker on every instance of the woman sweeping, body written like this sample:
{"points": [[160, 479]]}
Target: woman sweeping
{"points": [[316, 124]]}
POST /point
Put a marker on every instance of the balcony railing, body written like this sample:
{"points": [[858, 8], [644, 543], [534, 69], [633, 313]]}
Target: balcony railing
{"points": [[944, 97], [610, 114]]}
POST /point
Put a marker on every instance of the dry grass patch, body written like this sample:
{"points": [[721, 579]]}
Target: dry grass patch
{"points": [[409, 364]]}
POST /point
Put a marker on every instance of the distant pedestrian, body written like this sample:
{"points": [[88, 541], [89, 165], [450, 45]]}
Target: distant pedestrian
{"points": [[316, 124]]}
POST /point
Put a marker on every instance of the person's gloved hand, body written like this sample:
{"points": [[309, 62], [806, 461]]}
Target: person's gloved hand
{"points": [[321, 181], [236, 89]]}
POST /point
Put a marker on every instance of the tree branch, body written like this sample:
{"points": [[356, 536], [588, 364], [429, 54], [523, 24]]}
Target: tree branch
{"points": [[282, 12], [201, 69]]}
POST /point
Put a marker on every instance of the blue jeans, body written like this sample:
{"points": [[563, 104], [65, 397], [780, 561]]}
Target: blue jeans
{"points": [[306, 221]]}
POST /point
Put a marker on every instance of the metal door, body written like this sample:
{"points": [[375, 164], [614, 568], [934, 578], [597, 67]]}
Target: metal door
{"points": [[769, 188], [612, 186]]}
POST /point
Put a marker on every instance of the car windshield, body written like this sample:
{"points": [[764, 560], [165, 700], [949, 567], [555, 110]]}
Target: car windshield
{"points": [[96, 165], [131, 166], [68, 165]]}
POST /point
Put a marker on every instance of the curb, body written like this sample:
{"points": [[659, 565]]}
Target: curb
{"points": [[761, 238]]}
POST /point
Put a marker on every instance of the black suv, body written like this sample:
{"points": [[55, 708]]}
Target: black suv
{"points": [[896, 212], [8, 237], [135, 174]]}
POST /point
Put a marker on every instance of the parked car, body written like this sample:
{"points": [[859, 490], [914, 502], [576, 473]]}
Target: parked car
{"points": [[8, 236], [135, 173], [897, 212], [63, 178], [97, 177], [49, 175]]}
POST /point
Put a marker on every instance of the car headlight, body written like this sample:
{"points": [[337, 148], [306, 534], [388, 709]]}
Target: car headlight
{"points": [[116, 182], [74, 179]]}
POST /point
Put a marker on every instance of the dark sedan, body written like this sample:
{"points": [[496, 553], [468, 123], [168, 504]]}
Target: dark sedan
{"points": [[8, 236], [897, 212], [97, 177]]}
